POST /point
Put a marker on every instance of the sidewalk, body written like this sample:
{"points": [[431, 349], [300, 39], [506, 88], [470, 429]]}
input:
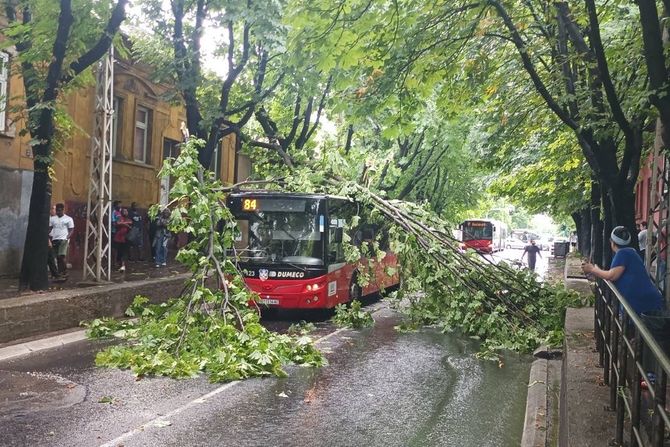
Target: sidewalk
{"points": [[584, 417], [32, 314], [136, 271]]}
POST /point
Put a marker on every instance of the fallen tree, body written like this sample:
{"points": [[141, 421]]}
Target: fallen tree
{"points": [[505, 307], [210, 328]]}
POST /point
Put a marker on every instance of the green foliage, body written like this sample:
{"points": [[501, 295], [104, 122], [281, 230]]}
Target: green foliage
{"points": [[301, 328], [35, 38], [498, 325], [106, 327], [172, 340], [352, 316], [211, 328]]}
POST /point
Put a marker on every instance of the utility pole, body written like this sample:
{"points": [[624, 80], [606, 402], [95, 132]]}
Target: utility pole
{"points": [[97, 245]]}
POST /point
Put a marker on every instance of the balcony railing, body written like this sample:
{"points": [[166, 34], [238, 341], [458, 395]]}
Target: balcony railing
{"points": [[635, 368]]}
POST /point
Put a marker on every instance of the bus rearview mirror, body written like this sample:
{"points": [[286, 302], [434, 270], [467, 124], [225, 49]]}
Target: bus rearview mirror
{"points": [[337, 236]]}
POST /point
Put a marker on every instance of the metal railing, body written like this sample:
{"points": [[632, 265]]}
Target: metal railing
{"points": [[629, 355]]}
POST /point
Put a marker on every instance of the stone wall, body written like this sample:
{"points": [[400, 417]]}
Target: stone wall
{"points": [[14, 203], [31, 315]]}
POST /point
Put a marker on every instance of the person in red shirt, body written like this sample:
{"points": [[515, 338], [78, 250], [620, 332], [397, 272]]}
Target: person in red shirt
{"points": [[123, 225]]}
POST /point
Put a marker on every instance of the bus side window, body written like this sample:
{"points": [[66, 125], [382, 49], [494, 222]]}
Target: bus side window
{"points": [[339, 214], [335, 249]]}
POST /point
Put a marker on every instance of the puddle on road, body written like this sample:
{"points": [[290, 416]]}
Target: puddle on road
{"points": [[22, 393]]}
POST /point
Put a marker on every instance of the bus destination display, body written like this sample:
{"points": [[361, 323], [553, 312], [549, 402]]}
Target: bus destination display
{"points": [[253, 204]]}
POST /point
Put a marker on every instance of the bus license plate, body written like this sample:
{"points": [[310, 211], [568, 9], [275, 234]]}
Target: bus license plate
{"points": [[269, 301]]}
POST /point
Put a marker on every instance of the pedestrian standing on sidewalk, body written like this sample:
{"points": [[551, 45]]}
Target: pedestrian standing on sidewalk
{"points": [[642, 238], [136, 234], [51, 256], [628, 274], [123, 225], [533, 251], [162, 237], [152, 237], [116, 214], [61, 227]]}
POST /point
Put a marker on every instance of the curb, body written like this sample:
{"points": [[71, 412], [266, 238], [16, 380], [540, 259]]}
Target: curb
{"points": [[42, 344], [535, 424]]}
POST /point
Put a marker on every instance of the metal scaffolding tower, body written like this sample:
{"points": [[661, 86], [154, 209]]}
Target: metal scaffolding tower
{"points": [[97, 245], [658, 222]]}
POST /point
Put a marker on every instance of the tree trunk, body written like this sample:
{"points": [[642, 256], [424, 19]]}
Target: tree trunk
{"points": [[584, 233], [35, 249], [577, 219], [607, 228], [622, 201], [596, 224]]}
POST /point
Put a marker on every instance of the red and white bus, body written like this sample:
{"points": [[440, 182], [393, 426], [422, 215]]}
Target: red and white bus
{"points": [[290, 249], [483, 235]]}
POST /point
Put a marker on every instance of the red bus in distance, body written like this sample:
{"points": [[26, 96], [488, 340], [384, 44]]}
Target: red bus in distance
{"points": [[483, 235], [290, 249]]}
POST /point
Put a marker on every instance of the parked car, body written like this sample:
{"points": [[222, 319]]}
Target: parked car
{"points": [[545, 242], [515, 243]]}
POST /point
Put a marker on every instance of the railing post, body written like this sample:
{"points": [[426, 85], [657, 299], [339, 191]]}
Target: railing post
{"points": [[607, 337], [597, 317], [635, 389], [660, 389], [623, 367], [614, 347]]}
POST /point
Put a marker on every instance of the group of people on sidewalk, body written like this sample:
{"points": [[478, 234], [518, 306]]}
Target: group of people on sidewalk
{"points": [[128, 228], [127, 235]]}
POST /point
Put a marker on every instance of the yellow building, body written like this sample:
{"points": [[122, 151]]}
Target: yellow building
{"points": [[146, 130]]}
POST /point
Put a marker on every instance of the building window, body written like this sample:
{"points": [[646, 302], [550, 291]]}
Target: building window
{"points": [[171, 149], [4, 80], [142, 131], [215, 164], [116, 118]]}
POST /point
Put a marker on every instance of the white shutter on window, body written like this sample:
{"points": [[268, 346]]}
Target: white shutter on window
{"points": [[4, 79]]}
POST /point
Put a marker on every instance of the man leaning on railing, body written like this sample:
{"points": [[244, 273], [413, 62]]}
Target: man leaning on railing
{"points": [[628, 274]]}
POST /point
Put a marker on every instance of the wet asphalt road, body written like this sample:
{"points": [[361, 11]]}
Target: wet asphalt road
{"points": [[381, 388], [513, 254]]}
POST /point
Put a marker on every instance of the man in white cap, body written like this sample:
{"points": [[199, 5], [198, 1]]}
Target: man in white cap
{"points": [[628, 274]]}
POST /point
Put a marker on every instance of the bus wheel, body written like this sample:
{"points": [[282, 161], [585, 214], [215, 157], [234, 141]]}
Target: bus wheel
{"points": [[355, 291]]}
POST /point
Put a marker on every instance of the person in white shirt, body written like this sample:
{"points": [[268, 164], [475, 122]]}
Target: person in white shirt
{"points": [[61, 227], [51, 259], [642, 238]]}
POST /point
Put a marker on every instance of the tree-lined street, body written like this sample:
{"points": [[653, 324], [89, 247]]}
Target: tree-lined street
{"points": [[301, 155]]}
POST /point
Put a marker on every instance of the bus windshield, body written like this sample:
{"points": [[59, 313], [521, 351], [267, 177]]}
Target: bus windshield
{"points": [[477, 230], [288, 234]]}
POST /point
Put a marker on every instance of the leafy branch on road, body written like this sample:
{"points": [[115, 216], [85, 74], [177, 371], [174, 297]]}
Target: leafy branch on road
{"points": [[352, 316], [210, 328]]}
